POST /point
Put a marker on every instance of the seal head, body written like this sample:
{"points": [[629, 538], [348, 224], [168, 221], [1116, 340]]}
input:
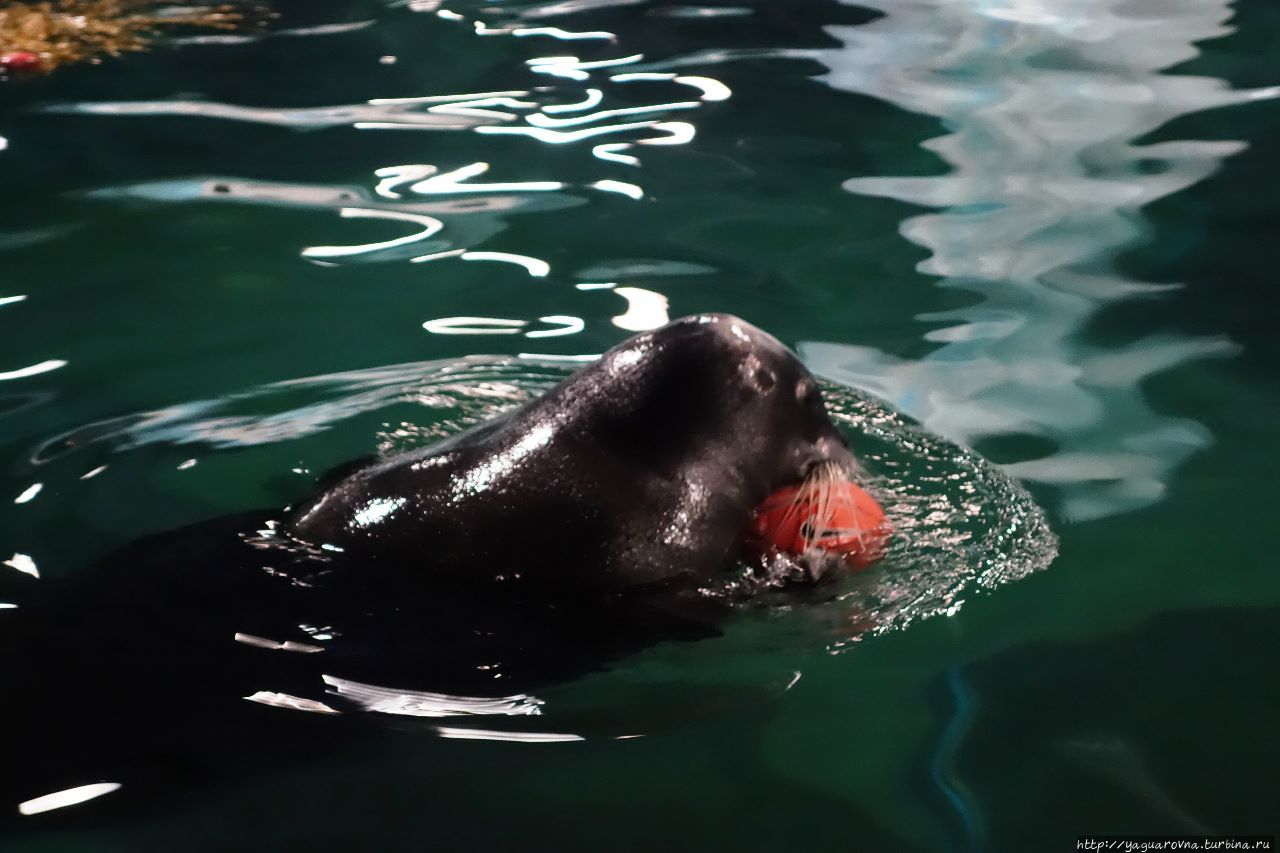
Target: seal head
{"points": [[643, 468]]}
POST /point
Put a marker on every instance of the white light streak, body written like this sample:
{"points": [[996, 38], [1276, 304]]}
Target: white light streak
{"points": [[406, 125], [474, 326], [430, 225], [594, 97], [69, 797], [712, 89], [633, 76], [492, 101], [452, 182], [416, 703], [483, 29], [620, 187], [550, 357], [29, 493], [286, 646], [394, 176], [536, 267], [563, 35], [34, 370], [560, 137], [9, 300], [440, 99], [539, 120], [678, 133], [561, 71], [292, 703], [646, 309], [568, 326], [95, 472], [609, 151], [435, 256], [457, 110], [574, 62], [512, 737], [570, 67]]}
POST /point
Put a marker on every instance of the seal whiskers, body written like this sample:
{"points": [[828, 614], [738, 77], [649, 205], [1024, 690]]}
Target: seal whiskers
{"points": [[807, 531]]}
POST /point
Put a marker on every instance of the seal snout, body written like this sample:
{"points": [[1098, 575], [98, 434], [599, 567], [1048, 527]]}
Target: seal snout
{"points": [[832, 451]]}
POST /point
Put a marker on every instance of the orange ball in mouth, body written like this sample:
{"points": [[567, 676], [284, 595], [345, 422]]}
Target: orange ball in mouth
{"points": [[840, 517]]}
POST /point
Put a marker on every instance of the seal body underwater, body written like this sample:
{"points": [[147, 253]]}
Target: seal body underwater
{"points": [[641, 469]]}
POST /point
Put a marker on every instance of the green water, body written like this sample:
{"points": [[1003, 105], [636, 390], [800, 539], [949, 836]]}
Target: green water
{"points": [[1041, 229]]}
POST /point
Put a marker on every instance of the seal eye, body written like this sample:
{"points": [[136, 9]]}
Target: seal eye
{"points": [[764, 379]]}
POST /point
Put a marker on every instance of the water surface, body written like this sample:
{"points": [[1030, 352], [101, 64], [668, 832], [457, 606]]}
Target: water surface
{"points": [[1037, 229]]}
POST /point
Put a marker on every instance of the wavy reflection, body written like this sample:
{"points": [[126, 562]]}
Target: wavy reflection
{"points": [[404, 116], [477, 215], [418, 703], [592, 103], [556, 116], [1046, 187]]}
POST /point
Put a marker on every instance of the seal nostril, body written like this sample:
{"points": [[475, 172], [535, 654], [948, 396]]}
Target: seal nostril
{"points": [[805, 390]]}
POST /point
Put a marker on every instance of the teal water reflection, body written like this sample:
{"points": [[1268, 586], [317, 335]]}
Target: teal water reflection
{"points": [[1041, 228]]}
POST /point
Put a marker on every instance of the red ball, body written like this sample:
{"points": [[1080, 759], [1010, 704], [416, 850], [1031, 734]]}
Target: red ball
{"points": [[20, 60], [854, 525]]}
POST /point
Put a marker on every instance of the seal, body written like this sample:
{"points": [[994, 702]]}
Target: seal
{"points": [[529, 550], [642, 469]]}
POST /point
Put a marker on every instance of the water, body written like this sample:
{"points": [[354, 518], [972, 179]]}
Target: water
{"points": [[1038, 229]]}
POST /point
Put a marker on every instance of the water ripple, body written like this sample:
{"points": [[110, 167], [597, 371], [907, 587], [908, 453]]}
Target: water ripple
{"points": [[1044, 104], [961, 527]]}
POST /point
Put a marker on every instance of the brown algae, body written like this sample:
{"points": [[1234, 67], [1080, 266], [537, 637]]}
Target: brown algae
{"points": [[41, 36]]}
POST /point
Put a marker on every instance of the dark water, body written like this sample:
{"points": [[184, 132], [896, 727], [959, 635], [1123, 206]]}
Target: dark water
{"points": [[1042, 229]]}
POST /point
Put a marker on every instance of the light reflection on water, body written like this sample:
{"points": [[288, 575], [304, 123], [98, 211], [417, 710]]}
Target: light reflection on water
{"points": [[1044, 104], [469, 212]]}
